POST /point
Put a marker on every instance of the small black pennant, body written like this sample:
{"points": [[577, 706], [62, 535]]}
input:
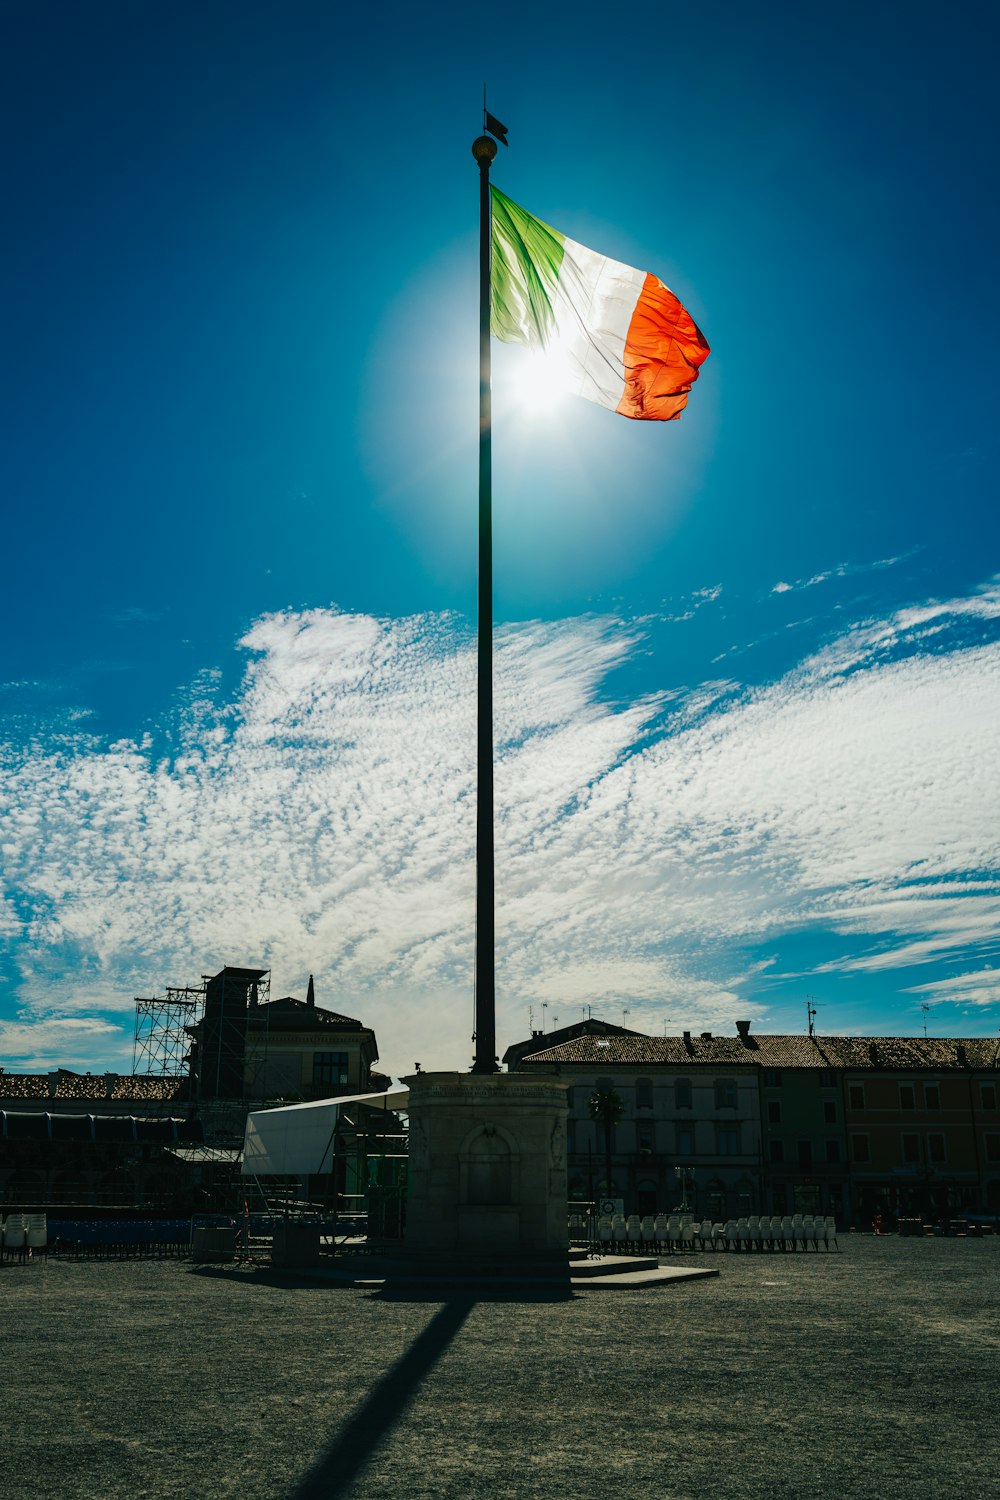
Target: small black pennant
{"points": [[495, 128]]}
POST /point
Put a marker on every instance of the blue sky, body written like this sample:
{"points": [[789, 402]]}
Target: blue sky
{"points": [[747, 663]]}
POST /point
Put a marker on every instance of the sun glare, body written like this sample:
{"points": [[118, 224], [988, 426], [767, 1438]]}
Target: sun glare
{"points": [[541, 382]]}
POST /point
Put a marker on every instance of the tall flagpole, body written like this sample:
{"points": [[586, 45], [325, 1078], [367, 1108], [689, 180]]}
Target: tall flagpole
{"points": [[484, 150]]}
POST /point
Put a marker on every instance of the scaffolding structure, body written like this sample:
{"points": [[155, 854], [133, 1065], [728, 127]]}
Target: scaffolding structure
{"points": [[232, 1036], [215, 1032], [162, 1036]]}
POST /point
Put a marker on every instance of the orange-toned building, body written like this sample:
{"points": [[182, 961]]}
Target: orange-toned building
{"points": [[922, 1125]]}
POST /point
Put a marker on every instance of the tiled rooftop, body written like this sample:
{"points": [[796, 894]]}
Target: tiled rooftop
{"points": [[90, 1086], [288, 1011], [769, 1051]]}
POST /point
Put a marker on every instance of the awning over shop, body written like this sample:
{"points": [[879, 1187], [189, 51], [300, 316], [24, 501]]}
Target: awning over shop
{"points": [[297, 1139]]}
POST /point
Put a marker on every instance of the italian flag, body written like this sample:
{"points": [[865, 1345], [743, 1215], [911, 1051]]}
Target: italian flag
{"points": [[620, 336]]}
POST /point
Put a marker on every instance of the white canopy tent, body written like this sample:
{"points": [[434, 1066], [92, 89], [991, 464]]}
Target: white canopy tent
{"points": [[296, 1140]]}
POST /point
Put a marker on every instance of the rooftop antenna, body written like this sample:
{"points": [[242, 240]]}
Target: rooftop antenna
{"points": [[925, 1007], [811, 1015], [545, 1006], [625, 1013], [531, 1020]]}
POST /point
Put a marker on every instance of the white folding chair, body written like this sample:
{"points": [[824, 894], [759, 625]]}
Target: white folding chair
{"points": [[36, 1232], [15, 1235], [829, 1231], [687, 1234], [619, 1231], [647, 1231], [633, 1230]]}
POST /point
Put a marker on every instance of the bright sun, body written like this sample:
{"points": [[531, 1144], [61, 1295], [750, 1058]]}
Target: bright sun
{"points": [[541, 382]]}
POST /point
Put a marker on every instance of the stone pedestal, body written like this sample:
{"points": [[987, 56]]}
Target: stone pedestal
{"points": [[487, 1168]]}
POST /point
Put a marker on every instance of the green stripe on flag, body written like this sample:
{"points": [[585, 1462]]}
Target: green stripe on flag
{"points": [[527, 256]]}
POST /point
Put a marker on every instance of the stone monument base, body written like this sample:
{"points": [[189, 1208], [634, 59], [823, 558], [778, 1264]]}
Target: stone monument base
{"points": [[487, 1171]]}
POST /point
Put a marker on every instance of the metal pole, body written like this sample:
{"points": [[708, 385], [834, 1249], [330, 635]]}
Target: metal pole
{"points": [[484, 150]]}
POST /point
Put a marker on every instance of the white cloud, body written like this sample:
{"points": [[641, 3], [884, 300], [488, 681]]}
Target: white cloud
{"points": [[977, 987], [842, 570], [324, 821], [37, 1045]]}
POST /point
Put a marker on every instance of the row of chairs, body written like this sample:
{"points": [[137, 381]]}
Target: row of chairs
{"points": [[119, 1239], [23, 1234], [652, 1232], [669, 1232], [779, 1232]]}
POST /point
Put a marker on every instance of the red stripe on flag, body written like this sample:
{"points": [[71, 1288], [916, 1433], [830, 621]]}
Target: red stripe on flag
{"points": [[663, 352]]}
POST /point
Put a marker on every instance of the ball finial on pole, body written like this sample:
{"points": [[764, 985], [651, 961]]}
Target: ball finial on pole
{"points": [[484, 149]]}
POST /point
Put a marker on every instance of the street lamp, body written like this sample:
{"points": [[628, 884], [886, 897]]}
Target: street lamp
{"points": [[685, 1176]]}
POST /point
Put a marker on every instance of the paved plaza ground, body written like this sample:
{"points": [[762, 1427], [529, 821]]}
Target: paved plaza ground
{"points": [[869, 1373]]}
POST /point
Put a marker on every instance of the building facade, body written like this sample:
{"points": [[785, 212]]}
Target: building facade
{"points": [[853, 1126], [246, 1048]]}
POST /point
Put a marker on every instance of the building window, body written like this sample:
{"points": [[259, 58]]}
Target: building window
{"points": [[829, 1111], [645, 1136], [993, 1148], [644, 1093], [330, 1070], [805, 1155], [728, 1140], [827, 1078], [774, 1112], [570, 1135], [856, 1095], [682, 1093], [935, 1148], [725, 1093], [569, 1101], [859, 1148], [772, 1078], [833, 1151], [685, 1140], [988, 1095], [907, 1096], [911, 1148], [777, 1150], [932, 1096]]}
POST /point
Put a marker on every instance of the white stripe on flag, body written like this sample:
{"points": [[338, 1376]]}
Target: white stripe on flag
{"points": [[595, 298]]}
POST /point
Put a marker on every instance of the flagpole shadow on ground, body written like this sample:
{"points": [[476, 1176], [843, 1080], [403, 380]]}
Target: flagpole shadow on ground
{"points": [[336, 1470]]}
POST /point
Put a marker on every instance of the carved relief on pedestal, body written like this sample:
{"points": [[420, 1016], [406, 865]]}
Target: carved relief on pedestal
{"points": [[418, 1148]]}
